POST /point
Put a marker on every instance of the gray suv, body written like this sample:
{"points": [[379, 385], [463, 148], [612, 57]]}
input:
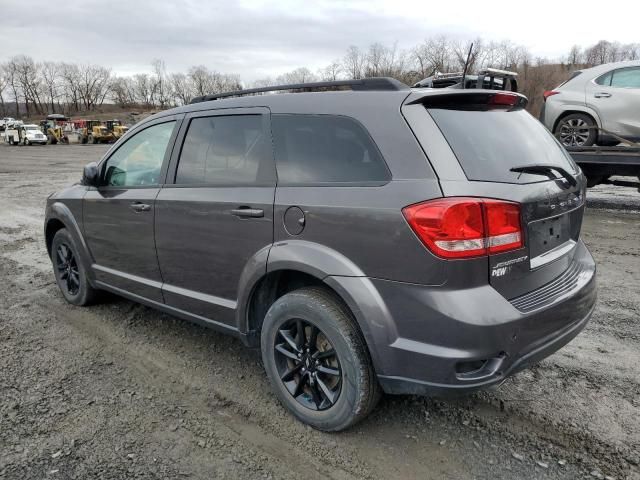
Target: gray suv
{"points": [[372, 239]]}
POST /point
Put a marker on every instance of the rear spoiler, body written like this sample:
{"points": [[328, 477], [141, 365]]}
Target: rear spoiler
{"points": [[470, 100]]}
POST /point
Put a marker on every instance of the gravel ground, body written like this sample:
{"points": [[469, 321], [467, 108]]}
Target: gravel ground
{"points": [[119, 391]]}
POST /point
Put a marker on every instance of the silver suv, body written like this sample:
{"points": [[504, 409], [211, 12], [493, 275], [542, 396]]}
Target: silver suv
{"points": [[595, 106]]}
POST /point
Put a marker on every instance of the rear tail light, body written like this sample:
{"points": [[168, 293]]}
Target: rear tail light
{"points": [[504, 100], [461, 227], [549, 93]]}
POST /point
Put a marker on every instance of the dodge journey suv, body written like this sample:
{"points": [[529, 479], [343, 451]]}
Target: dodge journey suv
{"points": [[365, 236]]}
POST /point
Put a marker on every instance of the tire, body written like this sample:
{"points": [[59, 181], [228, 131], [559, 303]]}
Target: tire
{"points": [[576, 130], [332, 391], [26, 141], [70, 274]]}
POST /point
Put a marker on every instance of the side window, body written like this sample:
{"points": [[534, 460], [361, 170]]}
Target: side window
{"points": [[321, 149], [626, 78], [139, 160], [605, 79], [226, 150]]}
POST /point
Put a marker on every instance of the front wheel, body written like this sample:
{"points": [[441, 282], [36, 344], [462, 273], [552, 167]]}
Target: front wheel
{"points": [[317, 360], [70, 274]]}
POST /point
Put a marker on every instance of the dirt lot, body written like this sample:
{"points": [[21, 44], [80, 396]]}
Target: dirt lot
{"points": [[120, 391]]}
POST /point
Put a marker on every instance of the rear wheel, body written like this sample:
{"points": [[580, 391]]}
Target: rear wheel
{"points": [[317, 360], [71, 276], [576, 130]]}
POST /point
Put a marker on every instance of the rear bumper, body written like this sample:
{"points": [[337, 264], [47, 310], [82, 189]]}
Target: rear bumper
{"points": [[463, 340]]}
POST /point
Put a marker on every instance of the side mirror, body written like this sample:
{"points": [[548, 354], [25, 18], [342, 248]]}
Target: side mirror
{"points": [[91, 175]]}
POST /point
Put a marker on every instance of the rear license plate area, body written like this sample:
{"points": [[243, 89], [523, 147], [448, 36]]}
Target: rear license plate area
{"points": [[547, 234]]}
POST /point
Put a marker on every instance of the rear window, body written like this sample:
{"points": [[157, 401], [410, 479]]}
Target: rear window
{"points": [[489, 143], [325, 149]]}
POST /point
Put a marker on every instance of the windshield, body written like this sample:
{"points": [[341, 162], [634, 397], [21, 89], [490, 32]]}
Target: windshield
{"points": [[488, 144], [31, 127]]}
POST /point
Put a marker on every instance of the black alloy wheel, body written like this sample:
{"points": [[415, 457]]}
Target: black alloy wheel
{"points": [[68, 271], [308, 365]]}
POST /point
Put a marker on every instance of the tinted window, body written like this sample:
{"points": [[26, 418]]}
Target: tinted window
{"points": [[489, 143], [226, 150], [604, 79], [573, 75], [139, 160], [626, 78], [312, 149]]}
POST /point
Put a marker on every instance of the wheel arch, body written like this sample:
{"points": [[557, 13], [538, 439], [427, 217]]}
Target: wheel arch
{"points": [[577, 109], [59, 216], [295, 264]]}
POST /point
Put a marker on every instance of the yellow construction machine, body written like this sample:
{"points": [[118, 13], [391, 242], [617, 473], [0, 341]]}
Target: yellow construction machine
{"points": [[96, 132], [52, 128], [116, 127]]}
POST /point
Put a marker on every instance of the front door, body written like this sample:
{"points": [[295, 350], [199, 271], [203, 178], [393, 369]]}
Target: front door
{"points": [[216, 212], [118, 216]]}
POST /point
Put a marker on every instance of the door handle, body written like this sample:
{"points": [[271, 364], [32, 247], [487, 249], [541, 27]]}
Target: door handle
{"points": [[602, 95], [140, 207], [248, 212]]}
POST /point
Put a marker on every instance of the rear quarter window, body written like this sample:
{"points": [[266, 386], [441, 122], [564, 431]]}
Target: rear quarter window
{"points": [[489, 143], [325, 149]]}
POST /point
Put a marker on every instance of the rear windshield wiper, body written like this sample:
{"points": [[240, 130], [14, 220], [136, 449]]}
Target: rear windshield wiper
{"points": [[546, 169]]}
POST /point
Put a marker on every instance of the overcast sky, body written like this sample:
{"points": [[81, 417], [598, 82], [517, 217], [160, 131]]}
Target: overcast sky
{"points": [[258, 38]]}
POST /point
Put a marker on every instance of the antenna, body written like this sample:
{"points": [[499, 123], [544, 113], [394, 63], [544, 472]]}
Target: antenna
{"points": [[466, 65]]}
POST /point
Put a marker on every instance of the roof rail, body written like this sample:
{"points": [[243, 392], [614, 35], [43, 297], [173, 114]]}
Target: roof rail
{"points": [[365, 84]]}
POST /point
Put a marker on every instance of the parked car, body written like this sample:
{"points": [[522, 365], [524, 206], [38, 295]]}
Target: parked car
{"points": [[417, 241], [33, 135], [5, 121], [595, 103]]}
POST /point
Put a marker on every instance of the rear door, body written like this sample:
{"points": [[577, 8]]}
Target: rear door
{"points": [[473, 149], [216, 211], [615, 96]]}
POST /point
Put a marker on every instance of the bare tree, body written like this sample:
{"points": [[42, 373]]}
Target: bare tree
{"points": [[123, 91], [331, 72], [299, 75], [70, 75], [575, 56], [4, 85], [51, 76], [353, 62], [181, 89], [160, 88], [93, 85]]}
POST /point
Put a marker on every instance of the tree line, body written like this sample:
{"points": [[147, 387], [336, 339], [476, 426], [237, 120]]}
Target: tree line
{"points": [[38, 88]]}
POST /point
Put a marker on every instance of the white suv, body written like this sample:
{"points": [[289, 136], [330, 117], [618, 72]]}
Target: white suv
{"points": [[596, 105]]}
